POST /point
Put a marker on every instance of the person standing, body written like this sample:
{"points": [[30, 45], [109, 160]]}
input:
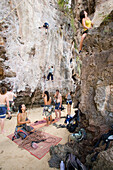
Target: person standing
{"points": [[47, 107], [11, 96], [4, 106], [58, 103], [69, 102], [51, 70]]}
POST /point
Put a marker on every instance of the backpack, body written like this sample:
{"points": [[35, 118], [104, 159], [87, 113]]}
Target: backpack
{"points": [[73, 122], [73, 163]]}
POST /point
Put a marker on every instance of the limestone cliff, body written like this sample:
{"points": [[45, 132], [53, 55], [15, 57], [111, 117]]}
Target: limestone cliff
{"points": [[27, 52]]}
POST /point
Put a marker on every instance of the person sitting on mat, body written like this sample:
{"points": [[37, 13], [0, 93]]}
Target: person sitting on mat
{"points": [[69, 102], [50, 73], [46, 26], [22, 128], [87, 24], [47, 107]]}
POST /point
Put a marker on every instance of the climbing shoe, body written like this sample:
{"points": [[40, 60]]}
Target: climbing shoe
{"points": [[80, 51], [9, 117]]}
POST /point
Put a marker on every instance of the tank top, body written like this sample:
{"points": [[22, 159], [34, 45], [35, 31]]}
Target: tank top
{"points": [[10, 96], [88, 24], [69, 97]]}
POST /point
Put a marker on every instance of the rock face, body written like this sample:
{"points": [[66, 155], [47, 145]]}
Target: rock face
{"points": [[30, 51], [96, 88], [97, 74]]}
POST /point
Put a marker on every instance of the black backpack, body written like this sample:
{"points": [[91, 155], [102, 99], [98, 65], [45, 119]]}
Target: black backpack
{"points": [[73, 122]]}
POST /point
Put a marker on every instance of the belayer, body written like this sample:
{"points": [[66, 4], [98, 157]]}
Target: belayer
{"points": [[87, 24], [46, 26]]}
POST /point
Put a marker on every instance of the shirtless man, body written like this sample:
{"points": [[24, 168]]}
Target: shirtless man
{"points": [[3, 109], [11, 96], [58, 103]]}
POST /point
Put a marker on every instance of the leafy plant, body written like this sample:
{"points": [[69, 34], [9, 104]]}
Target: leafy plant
{"points": [[73, 24]]}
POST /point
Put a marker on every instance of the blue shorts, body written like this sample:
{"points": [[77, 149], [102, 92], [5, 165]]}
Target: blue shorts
{"points": [[69, 102], [3, 110], [57, 106]]}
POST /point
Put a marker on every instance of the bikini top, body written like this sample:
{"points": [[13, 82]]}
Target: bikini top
{"points": [[88, 24], [69, 97]]}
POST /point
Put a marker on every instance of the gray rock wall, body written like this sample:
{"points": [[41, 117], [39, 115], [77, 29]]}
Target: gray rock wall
{"points": [[30, 51]]}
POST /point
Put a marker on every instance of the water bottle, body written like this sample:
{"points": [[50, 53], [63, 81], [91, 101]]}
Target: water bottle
{"points": [[62, 166]]}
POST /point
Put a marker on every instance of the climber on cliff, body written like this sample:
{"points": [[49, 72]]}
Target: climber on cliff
{"points": [[51, 70], [46, 26], [87, 24]]}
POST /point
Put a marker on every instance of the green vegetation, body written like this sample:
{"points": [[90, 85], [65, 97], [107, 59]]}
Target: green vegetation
{"points": [[73, 24], [107, 18], [63, 4]]}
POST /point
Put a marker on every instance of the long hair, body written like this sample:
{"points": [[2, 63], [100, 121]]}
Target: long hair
{"points": [[3, 90], [82, 15], [20, 108], [47, 93]]}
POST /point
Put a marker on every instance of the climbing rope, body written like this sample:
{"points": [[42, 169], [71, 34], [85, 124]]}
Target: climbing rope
{"points": [[11, 11]]}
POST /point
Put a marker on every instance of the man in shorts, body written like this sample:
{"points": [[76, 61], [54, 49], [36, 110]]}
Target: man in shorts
{"points": [[4, 106], [58, 104], [11, 96]]}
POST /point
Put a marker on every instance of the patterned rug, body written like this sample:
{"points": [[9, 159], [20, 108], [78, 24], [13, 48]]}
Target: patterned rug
{"points": [[43, 147]]}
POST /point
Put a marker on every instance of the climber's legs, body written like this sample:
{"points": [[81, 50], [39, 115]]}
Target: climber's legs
{"points": [[59, 113], [51, 76], [82, 39], [48, 77], [56, 114]]}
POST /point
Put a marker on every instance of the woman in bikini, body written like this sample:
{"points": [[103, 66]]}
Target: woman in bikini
{"points": [[87, 24], [47, 107], [69, 103]]}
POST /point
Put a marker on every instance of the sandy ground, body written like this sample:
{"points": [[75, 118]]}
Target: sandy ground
{"points": [[14, 158]]}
